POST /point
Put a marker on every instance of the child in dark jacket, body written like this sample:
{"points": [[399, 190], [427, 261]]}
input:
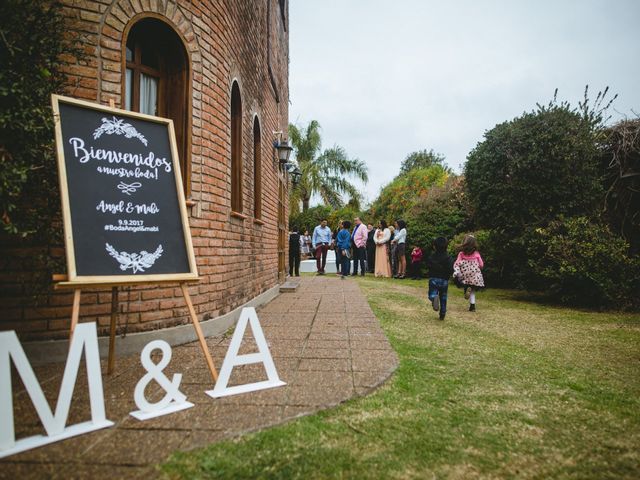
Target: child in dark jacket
{"points": [[440, 268]]}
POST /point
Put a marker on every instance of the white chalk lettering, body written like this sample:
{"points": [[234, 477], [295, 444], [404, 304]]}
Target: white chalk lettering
{"points": [[126, 173], [105, 207], [129, 207], [84, 154]]}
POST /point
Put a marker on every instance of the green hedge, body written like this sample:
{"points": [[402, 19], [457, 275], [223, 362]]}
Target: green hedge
{"points": [[582, 262]]}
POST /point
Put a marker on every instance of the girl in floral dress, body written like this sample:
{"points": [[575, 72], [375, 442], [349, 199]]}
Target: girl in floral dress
{"points": [[467, 269]]}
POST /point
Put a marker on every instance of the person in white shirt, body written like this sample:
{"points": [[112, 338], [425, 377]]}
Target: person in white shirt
{"points": [[305, 244], [320, 241], [359, 244], [400, 240]]}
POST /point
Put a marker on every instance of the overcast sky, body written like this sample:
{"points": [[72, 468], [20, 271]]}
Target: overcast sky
{"points": [[388, 78]]}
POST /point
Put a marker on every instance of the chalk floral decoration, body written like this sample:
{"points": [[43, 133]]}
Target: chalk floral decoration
{"points": [[135, 261], [117, 126]]}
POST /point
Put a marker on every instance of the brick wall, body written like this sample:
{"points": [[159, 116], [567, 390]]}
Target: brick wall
{"points": [[245, 41]]}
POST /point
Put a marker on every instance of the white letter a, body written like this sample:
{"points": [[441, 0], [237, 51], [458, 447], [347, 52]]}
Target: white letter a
{"points": [[232, 359]]}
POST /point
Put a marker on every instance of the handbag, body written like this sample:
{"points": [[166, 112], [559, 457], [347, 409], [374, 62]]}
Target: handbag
{"points": [[346, 253]]}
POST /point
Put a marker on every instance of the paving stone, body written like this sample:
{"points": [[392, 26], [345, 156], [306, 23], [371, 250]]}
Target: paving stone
{"points": [[294, 411], [200, 375], [328, 378], [370, 345], [135, 447], [201, 438], [319, 395], [326, 353], [68, 450], [327, 344], [329, 335], [231, 419], [293, 333], [368, 379], [363, 362], [322, 364], [73, 471]]}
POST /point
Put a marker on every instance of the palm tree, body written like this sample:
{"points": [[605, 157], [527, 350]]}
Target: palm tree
{"points": [[323, 173]]}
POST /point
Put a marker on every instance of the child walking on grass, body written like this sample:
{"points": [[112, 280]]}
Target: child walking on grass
{"points": [[467, 270], [440, 268]]}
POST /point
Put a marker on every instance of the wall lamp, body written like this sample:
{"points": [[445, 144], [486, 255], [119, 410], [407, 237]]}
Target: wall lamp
{"points": [[282, 148], [294, 172]]}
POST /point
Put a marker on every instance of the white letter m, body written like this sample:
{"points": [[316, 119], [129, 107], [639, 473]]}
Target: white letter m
{"points": [[85, 339]]}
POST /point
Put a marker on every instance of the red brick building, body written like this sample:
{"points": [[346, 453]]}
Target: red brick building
{"points": [[219, 69]]}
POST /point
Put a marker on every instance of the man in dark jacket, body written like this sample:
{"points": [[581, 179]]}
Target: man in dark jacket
{"points": [[440, 268], [294, 252], [371, 249]]}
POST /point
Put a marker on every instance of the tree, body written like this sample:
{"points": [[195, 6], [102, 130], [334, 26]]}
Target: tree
{"points": [[422, 159], [529, 170], [535, 171], [405, 191], [621, 167], [323, 173], [33, 41], [442, 212]]}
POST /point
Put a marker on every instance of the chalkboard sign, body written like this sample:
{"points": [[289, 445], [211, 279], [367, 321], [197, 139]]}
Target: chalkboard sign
{"points": [[123, 206]]}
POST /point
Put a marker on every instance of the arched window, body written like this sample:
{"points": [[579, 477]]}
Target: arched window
{"points": [[157, 82], [257, 170], [236, 149]]}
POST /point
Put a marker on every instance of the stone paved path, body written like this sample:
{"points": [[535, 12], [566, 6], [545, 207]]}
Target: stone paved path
{"points": [[326, 344]]}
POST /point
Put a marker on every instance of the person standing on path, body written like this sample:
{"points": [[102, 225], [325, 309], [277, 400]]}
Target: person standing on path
{"points": [[320, 241], [333, 246], [343, 245], [440, 268], [371, 248], [382, 236], [294, 252], [359, 241]]}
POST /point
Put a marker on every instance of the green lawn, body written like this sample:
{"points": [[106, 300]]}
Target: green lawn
{"points": [[516, 390]]}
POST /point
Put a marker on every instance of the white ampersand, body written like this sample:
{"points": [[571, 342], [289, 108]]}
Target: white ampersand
{"points": [[154, 372]]}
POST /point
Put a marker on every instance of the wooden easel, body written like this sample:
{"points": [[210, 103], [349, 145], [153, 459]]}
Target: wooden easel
{"points": [[75, 314]]}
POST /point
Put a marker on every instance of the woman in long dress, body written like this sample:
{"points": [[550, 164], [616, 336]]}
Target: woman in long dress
{"points": [[381, 238]]}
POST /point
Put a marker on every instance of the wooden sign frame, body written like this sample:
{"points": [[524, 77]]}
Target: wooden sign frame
{"points": [[75, 280]]}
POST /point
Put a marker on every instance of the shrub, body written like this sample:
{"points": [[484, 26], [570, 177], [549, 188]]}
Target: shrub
{"points": [[33, 42], [582, 262], [534, 168]]}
